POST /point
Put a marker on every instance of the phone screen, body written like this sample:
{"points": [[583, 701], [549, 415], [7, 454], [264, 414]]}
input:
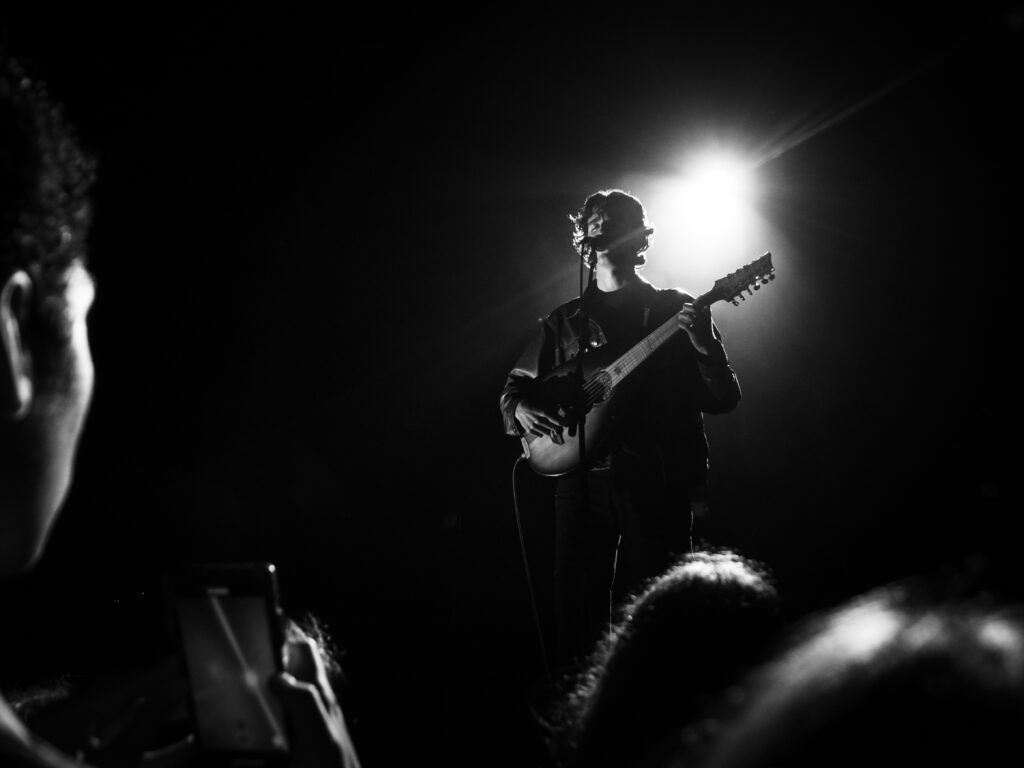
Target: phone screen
{"points": [[230, 654]]}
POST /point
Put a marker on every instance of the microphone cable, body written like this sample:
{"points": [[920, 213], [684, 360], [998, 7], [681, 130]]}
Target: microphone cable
{"points": [[526, 569]]}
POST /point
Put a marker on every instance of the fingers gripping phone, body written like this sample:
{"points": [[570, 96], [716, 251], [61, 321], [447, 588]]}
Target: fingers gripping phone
{"points": [[228, 624]]}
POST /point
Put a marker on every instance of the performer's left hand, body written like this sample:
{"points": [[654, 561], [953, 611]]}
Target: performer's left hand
{"points": [[697, 324]]}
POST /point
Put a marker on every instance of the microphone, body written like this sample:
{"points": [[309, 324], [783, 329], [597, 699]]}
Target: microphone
{"points": [[598, 242], [606, 240]]}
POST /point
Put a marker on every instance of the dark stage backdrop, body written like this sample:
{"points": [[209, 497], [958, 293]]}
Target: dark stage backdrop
{"points": [[321, 242]]}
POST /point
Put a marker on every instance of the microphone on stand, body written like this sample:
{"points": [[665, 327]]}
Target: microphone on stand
{"points": [[597, 242], [591, 245]]}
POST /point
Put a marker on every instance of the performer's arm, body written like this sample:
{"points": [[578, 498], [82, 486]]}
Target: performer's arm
{"points": [[519, 410], [721, 387]]}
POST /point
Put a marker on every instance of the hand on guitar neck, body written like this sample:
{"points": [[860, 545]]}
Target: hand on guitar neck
{"points": [[696, 321]]}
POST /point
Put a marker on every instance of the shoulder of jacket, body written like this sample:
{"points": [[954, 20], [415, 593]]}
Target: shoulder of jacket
{"points": [[564, 310], [674, 296]]}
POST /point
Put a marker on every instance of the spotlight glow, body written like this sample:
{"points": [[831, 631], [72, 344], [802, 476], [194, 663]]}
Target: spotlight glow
{"points": [[722, 176], [704, 216], [712, 199]]}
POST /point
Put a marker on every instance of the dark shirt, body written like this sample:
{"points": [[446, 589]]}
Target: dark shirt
{"points": [[659, 406]]}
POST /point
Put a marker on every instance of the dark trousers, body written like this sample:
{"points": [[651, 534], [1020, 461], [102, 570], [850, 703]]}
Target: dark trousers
{"points": [[614, 530]]}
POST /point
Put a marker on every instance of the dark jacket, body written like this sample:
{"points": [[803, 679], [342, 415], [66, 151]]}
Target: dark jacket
{"points": [[660, 405]]}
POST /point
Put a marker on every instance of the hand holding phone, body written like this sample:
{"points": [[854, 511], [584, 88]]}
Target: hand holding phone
{"points": [[254, 700], [320, 735]]}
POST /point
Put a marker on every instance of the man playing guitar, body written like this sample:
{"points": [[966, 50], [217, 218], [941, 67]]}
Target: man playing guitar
{"points": [[627, 513]]}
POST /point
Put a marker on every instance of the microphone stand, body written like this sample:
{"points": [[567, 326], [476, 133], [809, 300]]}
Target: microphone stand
{"points": [[579, 397]]}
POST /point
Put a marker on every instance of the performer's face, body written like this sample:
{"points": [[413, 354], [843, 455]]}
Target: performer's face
{"points": [[615, 236]]}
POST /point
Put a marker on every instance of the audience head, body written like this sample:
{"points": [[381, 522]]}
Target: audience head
{"points": [[901, 676], [676, 644], [46, 372]]}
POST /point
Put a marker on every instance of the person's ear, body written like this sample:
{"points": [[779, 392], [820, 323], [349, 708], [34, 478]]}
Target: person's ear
{"points": [[16, 379]]}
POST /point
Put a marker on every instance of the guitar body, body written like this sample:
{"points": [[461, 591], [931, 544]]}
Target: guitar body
{"points": [[554, 457]]}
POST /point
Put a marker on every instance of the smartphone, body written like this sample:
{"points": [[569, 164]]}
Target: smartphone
{"points": [[228, 625]]}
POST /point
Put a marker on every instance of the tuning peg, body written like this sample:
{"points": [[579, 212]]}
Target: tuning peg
{"points": [[735, 303], [757, 286]]}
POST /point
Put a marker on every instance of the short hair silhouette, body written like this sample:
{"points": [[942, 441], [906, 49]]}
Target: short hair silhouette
{"points": [[902, 675], [46, 182]]}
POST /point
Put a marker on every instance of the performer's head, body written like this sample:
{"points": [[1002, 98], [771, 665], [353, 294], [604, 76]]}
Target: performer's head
{"points": [[46, 372], [619, 223]]}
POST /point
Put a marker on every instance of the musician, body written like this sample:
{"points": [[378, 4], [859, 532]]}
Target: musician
{"points": [[630, 512]]}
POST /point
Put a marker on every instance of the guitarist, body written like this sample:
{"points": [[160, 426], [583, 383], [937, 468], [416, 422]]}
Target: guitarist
{"points": [[630, 513]]}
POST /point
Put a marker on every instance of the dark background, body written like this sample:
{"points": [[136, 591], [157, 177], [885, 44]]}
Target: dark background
{"points": [[322, 240]]}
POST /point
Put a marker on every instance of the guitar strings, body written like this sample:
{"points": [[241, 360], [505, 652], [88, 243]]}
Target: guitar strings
{"points": [[594, 389]]}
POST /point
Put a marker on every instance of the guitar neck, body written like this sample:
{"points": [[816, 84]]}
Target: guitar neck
{"points": [[629, 362], [749, 277]]}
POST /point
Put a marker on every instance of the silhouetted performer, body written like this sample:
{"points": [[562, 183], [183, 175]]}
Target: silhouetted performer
{"points": [[632, 513]]}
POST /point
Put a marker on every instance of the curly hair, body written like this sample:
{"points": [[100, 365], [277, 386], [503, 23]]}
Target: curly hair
{"points": [[627, 206], [45, 182], [676, 643]]}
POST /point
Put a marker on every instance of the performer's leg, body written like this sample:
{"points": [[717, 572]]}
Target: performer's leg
{"points": [[585, 541], [655, 527]]}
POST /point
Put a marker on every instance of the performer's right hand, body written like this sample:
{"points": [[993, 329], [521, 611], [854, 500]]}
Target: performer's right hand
{"points": [[538, 420]]}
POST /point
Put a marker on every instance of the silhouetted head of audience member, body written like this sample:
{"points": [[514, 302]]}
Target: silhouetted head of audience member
{"points": [[898, 677], [683, 638], [46, 372], [46, 383]]}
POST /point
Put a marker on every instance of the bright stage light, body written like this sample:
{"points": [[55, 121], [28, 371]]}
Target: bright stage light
{"points": [[704, 218], [713, 199], [722, 176]]}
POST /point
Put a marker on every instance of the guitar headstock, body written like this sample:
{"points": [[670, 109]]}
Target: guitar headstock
{"points": [[749, 278]]}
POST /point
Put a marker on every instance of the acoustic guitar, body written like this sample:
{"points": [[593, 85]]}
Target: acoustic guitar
{"points": [[603, 371]]}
